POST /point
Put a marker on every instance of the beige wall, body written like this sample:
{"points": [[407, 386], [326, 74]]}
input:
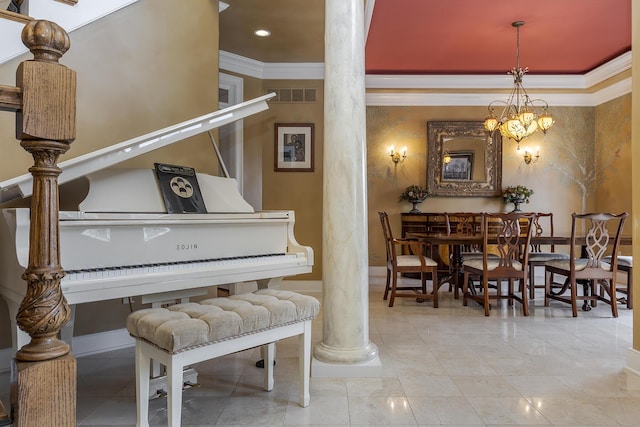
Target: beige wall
{"points": [[613, 157], [299, 191], [145, 67]]}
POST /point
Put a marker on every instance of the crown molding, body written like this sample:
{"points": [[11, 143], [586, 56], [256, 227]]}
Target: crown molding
{"points": [[302, 71], [610, 69], [611, 92], [250, 67], [274, 70], [444, 81], [559, 81], [240, 64], [444, 99]]}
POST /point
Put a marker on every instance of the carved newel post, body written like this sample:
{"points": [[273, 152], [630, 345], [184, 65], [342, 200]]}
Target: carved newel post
{"points": [[45, 124]]}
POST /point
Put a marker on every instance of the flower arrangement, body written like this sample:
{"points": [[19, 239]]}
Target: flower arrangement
{"points": [[517, 194], [415, 193]]}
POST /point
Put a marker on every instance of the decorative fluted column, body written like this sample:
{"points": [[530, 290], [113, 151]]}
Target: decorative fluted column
{"points": [[46, 125], [345, 342]]}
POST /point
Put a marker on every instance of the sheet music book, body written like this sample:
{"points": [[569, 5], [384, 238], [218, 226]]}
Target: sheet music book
{"points": [[180, 189]]}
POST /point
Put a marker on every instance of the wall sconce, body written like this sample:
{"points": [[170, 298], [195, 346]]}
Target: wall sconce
{"points": [[529, 157], [398, 156]]}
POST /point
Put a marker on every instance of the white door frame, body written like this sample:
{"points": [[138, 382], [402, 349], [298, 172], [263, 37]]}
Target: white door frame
{"points": [[235, 87]]}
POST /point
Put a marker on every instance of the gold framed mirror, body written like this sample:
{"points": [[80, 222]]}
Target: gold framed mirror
{"points": [[463, 159]]}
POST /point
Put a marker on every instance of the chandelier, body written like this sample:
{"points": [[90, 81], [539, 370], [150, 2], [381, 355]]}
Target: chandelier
{"points": [[521, 116]]}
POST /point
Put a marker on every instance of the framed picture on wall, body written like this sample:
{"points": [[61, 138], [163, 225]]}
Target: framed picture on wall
{"points": [[293, 147], [458, 166]]}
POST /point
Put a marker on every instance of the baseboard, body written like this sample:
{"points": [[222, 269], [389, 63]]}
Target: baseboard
{"points": [[84, 345]]}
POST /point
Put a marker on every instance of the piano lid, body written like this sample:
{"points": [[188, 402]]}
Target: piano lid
{"points": [[21, 186]]}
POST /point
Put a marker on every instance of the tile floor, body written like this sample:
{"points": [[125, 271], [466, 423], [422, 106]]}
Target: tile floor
{"points": [[447, 366]]}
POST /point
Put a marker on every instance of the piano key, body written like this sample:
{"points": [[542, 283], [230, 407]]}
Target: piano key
{"points": [[133, 270]]}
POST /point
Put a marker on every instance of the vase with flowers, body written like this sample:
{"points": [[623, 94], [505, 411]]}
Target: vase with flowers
{"points": [[415, 195], [516, 194]]}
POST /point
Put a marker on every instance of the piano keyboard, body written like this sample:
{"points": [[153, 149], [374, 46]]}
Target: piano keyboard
{"points": [[171, 267]]}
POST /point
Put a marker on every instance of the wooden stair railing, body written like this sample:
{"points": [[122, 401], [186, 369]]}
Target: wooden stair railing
{"points": [[18, 17]]}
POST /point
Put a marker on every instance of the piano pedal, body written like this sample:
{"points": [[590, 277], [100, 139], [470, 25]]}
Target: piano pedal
{"points": [[158, 385], [188, 384], [260, 363], [185, 386], [159, 393]]}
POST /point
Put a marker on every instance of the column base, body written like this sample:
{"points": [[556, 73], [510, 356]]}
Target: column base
{"points": [[368, 369], [633, 369], [44, 393]]}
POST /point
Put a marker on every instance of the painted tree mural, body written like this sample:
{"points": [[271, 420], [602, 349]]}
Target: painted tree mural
{"points": [[579, 159]]}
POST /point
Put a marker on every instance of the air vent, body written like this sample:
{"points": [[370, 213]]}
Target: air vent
{"points": [[293, 95]]}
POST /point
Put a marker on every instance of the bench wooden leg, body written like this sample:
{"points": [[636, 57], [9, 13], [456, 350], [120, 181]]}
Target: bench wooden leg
{"points": [[269, 355], [304, 363], [174, 396], [142, 387]]}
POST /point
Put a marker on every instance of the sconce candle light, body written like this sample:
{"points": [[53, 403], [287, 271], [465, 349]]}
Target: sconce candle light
{"points": [[398, 156], [529, 157]]}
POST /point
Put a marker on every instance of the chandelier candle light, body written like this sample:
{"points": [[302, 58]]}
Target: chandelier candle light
{"points": [[520, 116]]}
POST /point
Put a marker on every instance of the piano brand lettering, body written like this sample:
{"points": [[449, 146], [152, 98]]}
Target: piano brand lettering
{"points": [[186, 246]]}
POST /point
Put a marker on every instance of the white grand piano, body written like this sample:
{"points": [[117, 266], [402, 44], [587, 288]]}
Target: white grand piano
{"points": [[121, 242]]}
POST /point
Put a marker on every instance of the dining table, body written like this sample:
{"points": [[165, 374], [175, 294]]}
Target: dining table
{"points": [[455, 275]]}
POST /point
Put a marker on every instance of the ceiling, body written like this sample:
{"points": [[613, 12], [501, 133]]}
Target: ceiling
{"points": [[441, 36]]}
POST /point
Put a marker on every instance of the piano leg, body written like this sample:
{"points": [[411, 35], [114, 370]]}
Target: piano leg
{"points": [[273, 282], [242, 287]]}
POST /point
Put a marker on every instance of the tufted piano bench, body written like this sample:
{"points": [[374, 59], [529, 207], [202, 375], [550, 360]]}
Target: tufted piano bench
{"points": [[183, 334]]}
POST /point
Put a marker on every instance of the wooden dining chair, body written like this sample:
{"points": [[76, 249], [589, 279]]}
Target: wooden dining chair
{"points": [[465, 224], [597, 277], [625, 264], [512, 247], [437, 224], [415, 262], [539, 255]]}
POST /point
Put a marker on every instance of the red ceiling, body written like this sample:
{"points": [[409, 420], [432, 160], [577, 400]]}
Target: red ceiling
{"points": [[476, 36]]}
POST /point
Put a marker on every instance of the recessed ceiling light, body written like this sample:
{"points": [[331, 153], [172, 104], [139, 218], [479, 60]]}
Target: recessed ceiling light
{"points": [[262, 33]]}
